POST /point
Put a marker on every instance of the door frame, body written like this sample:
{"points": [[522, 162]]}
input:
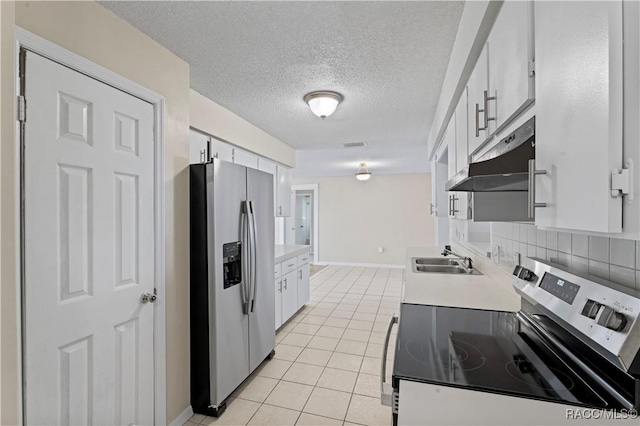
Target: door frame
{"points": [[43, 47], [313, 187]]}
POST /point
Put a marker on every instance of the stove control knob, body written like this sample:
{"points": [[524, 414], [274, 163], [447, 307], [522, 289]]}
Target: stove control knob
{"points": [[591, 309], [611, 319], [524, 273]]}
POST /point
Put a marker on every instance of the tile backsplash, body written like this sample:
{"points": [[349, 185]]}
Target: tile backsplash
{"points": [[612, 259]]}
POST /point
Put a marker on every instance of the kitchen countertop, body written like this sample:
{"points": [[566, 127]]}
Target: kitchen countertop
{"points": [[284, 251], [460, 290]]}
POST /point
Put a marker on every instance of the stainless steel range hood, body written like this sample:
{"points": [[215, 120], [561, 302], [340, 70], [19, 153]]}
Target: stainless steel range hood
{"points": [[504, 168]]}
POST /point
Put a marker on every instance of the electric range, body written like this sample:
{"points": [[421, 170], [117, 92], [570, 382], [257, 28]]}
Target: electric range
{"points": [[574, 343]]}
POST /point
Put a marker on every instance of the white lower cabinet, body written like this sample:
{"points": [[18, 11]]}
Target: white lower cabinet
{"points": [[304, 291], [291, 286], [289, 294], [278, 304]]}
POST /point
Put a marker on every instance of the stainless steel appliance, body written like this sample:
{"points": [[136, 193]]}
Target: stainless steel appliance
{"points": [[232, 267], [573, 346], [501, 179]]}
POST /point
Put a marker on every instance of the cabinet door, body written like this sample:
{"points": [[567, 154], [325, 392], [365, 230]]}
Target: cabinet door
{"points": [[510, 50], [221, 150], [462, 133], [197, 147], [439, 206], [478, 82], [304, 293], [283, 207], [289, 294], [578, 50], [245, 158], [278, 302], [449, 139]]}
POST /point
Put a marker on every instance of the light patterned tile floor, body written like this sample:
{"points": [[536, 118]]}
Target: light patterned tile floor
{"points": [[327, 363]]}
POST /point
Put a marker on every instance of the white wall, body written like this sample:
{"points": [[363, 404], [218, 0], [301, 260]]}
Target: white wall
{"points": [[357, 217]]}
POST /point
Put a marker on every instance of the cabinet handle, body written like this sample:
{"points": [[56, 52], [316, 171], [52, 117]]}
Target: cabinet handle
{"points": [[450, 209], [280, 210], [453, 209], [431, 209], [478, 120], [300, 273], [531, 206], [487, 119], [280, 286], [285, 283]]}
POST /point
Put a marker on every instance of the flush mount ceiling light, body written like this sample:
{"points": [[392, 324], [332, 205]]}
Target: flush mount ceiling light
{"points": [[363, 173], [323, 103]]}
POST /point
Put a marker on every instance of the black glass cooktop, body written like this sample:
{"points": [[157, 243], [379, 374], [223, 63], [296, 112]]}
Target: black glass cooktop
{"points": [[485, 350]]}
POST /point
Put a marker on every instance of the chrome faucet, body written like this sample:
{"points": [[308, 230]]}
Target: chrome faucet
{"points": [[467, 263]]}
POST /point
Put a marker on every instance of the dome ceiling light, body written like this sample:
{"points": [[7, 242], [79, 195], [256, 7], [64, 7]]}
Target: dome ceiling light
{"points": [[323, 103], [363, 173]]}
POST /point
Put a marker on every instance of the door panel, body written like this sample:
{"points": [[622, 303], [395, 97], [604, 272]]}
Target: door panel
{"points": [[89, 250], [578, 114], [229, 326], [262, 338]]}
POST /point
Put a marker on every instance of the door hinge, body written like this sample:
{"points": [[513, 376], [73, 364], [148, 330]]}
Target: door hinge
{"points": [[622, 181], [532, 68], [22, 109]]}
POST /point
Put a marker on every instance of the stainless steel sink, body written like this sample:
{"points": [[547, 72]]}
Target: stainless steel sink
{"points": [[439, 265], [435, 261]]}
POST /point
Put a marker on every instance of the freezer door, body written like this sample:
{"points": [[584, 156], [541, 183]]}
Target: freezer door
{"points": [[229, 326], [262, 316]]}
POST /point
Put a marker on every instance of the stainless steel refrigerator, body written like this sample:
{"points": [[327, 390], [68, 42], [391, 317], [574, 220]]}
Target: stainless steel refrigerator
{"points": [[232, 293]]}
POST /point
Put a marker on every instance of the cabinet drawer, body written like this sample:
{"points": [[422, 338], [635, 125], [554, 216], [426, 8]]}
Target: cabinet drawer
{"points": [[303, 259], [289, 265], [278, 270]]}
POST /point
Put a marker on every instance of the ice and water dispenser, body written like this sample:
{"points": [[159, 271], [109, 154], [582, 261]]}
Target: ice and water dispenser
{"points": [[232, 263]]}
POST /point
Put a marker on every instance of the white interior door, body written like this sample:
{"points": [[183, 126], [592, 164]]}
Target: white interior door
{"points": [[89, 250]]}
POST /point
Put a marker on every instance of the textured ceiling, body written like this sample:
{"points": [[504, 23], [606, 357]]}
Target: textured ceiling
{"points": [[258, 59]]}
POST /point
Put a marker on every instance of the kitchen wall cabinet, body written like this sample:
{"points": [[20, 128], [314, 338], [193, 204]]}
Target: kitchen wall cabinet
{"points": [[462, 133], [198, 148], [439, 177], [283, 191], [579, 71], [510, 55], [501, 85], [245, 158], [456, 139], [449, 140], [477, 87]]}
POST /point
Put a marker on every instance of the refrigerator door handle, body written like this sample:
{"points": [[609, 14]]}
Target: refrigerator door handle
{"points": [[253, 245], [246, 258]]}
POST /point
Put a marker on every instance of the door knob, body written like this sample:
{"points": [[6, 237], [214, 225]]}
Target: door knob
{"points": [[148, 297]]}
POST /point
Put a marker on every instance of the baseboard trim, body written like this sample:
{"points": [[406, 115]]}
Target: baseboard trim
{"points": [[182, 417], [365, 265]]}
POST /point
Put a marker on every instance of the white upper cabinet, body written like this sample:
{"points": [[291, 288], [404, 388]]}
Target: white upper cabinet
{"points": [[438, 193], [501, 85], [510, 53], [283, 191], [449, 140], [462, 133], [198, 148], [477, 89], [578, 51], [245, 158]]}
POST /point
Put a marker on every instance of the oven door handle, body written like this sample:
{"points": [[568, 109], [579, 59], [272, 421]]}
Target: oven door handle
{"points": [[386, 389]]}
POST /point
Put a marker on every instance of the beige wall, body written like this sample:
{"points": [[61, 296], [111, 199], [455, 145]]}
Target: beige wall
{"points": [[86, 28], [355, 218], [217, 121], [8, 330]]}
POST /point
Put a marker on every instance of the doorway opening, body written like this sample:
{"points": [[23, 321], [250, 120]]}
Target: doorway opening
{"points": [[301, 228]]}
